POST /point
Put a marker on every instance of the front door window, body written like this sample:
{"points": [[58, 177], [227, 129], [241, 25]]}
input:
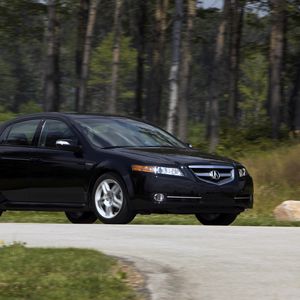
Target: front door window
{"points": [[54, 130]]}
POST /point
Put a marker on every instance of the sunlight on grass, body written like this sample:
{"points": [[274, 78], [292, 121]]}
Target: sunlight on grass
{"points": [[37, 274]]}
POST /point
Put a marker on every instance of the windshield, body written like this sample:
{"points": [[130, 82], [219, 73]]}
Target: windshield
{"points": [[121, 132]]}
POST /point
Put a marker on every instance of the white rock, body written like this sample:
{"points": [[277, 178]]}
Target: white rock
{"points": [[288, 211]]}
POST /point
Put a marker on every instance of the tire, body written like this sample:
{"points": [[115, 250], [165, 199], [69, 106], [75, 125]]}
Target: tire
{"points": [[84, 217], [110, 200], [216, 219]]}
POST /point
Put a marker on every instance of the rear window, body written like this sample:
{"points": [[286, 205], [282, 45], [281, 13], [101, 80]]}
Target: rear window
{"points": [[20, 134]]}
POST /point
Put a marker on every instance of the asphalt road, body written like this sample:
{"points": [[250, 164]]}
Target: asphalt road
{"points": [[187, 262]]}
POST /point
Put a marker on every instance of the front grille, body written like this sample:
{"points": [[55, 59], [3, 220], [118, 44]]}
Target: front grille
{"points": [[215, 174]]}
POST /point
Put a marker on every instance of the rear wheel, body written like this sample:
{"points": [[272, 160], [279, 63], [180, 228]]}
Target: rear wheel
{"points": [[81, 217], [110, 200], [216, 219]]}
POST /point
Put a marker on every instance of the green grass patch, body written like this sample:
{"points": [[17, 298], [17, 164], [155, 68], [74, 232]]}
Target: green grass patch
{"points": [[37, 274], [248, 218], [33, 217], [244, 219]]}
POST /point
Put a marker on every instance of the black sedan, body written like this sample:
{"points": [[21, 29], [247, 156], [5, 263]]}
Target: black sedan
{"points": [[111, 168]]}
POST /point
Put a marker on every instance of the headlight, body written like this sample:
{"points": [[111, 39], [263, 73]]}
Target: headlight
{"points": [[242, 172], [157, 170]]}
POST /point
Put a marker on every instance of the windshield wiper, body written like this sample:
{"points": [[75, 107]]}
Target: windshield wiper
{"points": [[114, 147], [143, 146], [163, 146]]}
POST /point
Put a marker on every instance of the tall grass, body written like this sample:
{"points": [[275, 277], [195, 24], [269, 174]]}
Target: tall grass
{"points": [[276, 176]]}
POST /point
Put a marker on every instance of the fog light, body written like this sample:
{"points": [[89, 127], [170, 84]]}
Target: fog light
{"points": [[159, 197]]}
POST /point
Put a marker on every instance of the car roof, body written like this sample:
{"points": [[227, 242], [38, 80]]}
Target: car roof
{"points": [[68, 116]]}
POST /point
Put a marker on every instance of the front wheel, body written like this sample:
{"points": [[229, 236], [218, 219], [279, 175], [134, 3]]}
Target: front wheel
{"points": [[110, 200], [216, 219], [81, 217]]}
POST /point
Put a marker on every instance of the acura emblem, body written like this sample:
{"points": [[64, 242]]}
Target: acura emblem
{"points": [[214, 174]]}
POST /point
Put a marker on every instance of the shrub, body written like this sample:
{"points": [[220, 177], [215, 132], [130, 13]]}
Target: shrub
{"points": [[29, 108]]}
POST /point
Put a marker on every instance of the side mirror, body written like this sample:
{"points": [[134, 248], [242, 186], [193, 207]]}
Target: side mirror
{"points": [[189, 145], [67, 145]]}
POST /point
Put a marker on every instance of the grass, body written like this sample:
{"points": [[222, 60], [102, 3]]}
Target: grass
{"points": [[33, 217], [37, 274], [248, 218], [276, 175]]}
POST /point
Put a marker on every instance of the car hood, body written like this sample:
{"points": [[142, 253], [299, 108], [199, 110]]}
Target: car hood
{"points": [[172, 156]]}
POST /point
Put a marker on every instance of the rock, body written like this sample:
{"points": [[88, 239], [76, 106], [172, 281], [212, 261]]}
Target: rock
{"points": [[288, 211]]}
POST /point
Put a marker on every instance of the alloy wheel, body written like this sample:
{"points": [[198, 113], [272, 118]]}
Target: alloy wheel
{"points": [[109, 198]]}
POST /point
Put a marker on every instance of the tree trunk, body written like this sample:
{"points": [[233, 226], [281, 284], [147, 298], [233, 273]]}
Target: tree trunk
{"points": [[83, 15], [111, 108], [141, 24], [52, 78], [237, 15], [87, 55], [297, 116], [156, 78], [174, 70], [215, 90], [284, 98], [294, 104], [19, 72], [185, 72], [276, 54]]}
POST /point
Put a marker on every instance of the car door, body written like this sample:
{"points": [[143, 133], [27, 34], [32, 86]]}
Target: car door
{"points": [[57, 177], [16, 144]]}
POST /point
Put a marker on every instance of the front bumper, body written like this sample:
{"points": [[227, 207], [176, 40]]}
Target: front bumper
{"points": [[188, 195]]}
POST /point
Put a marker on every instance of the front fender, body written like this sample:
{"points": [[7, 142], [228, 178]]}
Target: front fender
{"points": [[110, 166]]}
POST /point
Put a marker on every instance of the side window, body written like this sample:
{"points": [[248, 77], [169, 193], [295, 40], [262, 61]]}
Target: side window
{"points": [[21, 133], [54, 130]]}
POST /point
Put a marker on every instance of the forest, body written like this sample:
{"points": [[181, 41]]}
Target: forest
{"points": [[219, 77]]}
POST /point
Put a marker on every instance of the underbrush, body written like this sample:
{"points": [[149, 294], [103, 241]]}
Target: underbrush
{"points": [[276, 176]]}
